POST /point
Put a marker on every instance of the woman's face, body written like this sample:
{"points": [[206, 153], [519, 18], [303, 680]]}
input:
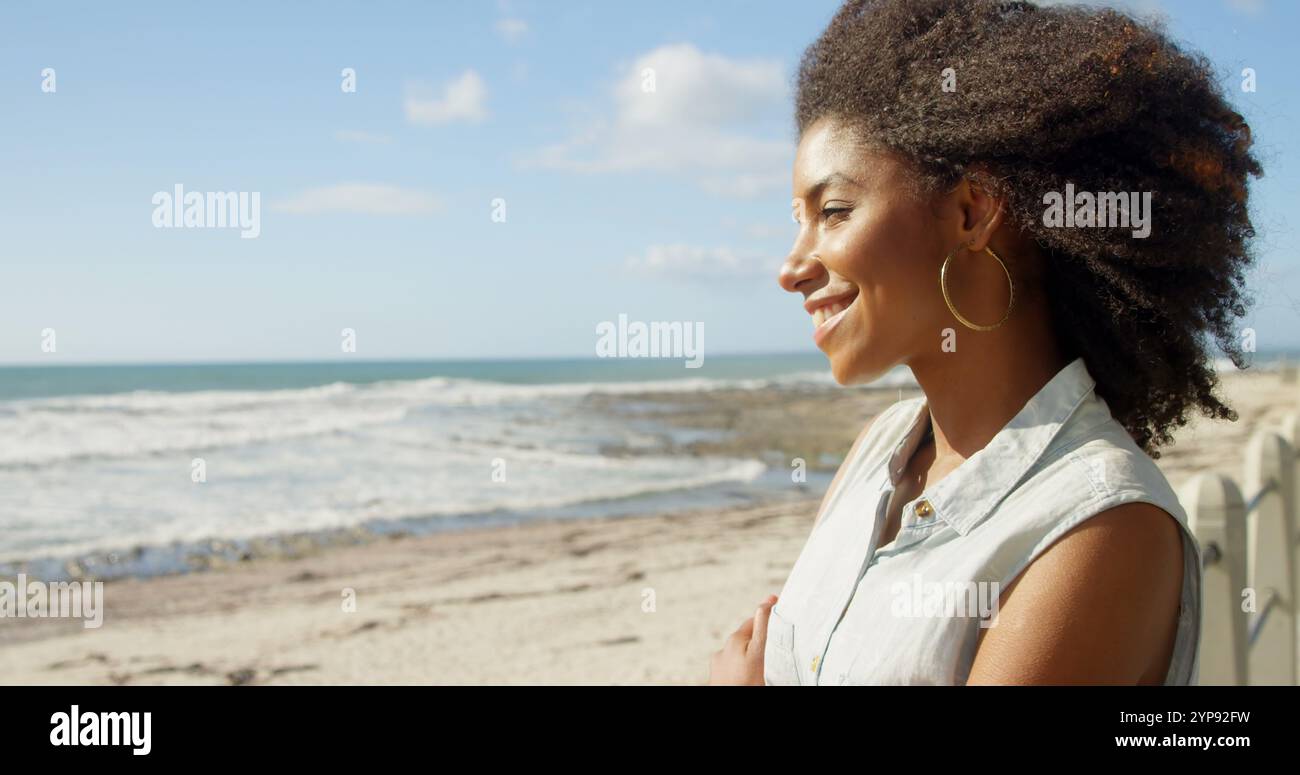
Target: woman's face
{"points": [[867, 256]]}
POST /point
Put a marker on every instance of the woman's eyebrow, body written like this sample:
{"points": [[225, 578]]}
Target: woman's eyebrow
{"points": [[826, 181]]}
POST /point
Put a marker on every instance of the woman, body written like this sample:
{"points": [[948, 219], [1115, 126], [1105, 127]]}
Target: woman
{"points": [[940, 144]]}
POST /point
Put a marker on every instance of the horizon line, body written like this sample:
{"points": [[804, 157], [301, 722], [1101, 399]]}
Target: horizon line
{"points": [[1274, 351], [400, 360]]}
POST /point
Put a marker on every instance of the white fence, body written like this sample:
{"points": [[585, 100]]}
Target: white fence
{"points": [[1250, 548]]}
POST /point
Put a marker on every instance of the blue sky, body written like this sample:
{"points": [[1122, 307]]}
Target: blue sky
{"points": [[376, 205]]}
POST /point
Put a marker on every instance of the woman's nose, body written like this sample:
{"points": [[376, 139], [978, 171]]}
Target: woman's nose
{"points": [[800, 268]]}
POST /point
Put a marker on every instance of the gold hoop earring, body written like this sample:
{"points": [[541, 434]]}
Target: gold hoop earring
{"points": [[943, 286]]}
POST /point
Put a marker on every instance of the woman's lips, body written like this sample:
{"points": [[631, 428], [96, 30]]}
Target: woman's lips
{"points": [[827, 317]]}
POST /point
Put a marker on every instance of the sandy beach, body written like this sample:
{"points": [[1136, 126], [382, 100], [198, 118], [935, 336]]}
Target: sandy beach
{"points": [[629, 600]]}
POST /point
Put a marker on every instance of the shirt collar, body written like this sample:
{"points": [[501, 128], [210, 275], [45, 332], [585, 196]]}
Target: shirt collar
{"points": [[967, 495]]}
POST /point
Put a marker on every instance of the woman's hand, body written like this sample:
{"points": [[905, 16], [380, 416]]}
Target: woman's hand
{"points": [[740, 660]]}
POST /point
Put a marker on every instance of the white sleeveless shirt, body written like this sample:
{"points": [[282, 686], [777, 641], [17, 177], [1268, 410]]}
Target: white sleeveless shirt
{"points": [[910, 612]]}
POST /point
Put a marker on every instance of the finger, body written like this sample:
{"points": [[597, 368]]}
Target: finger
{"points": [[746, 628], [738, 641], [761, 617]]}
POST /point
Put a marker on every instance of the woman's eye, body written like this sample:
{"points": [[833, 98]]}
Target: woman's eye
{"points": [[830, 212]]}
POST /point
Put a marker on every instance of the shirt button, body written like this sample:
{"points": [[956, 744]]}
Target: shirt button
{"points": [[923, 509]]}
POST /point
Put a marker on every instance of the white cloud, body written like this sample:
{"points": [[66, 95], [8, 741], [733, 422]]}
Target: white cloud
{"points": [[681, 111], [511, 29], [462, 100], [364, 198], [1248, 7], [690, 262], [746, 184], [772, 231], [359, 136]]}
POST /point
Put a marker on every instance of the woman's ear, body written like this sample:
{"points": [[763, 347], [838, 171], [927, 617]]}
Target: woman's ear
{"points": [[981, 214]]}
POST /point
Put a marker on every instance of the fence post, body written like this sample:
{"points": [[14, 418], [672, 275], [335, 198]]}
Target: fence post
{"points": [[1269, 471], [1217, 516], [1291, 433]]}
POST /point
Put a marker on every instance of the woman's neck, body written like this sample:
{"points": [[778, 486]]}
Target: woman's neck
{"points": [[974, 392]]}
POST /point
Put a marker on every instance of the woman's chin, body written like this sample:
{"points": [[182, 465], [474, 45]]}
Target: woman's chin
{"points": [[849, 371], [842, 369]]}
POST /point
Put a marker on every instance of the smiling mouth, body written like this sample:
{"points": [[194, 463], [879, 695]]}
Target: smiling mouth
{"points": [[827, 317], [822, 314], [832, 311]]}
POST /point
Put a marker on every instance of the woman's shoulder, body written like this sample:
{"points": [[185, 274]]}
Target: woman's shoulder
{"points": [[1091, 524], [1093, 470], [1068, 592], [1102, 458]]}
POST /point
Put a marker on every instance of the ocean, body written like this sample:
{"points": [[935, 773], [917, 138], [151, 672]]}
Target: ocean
{"points": [[137, 470]]}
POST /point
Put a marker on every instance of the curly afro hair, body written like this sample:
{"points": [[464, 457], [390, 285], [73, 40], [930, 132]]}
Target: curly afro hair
{"points": [[1047, 96]]}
